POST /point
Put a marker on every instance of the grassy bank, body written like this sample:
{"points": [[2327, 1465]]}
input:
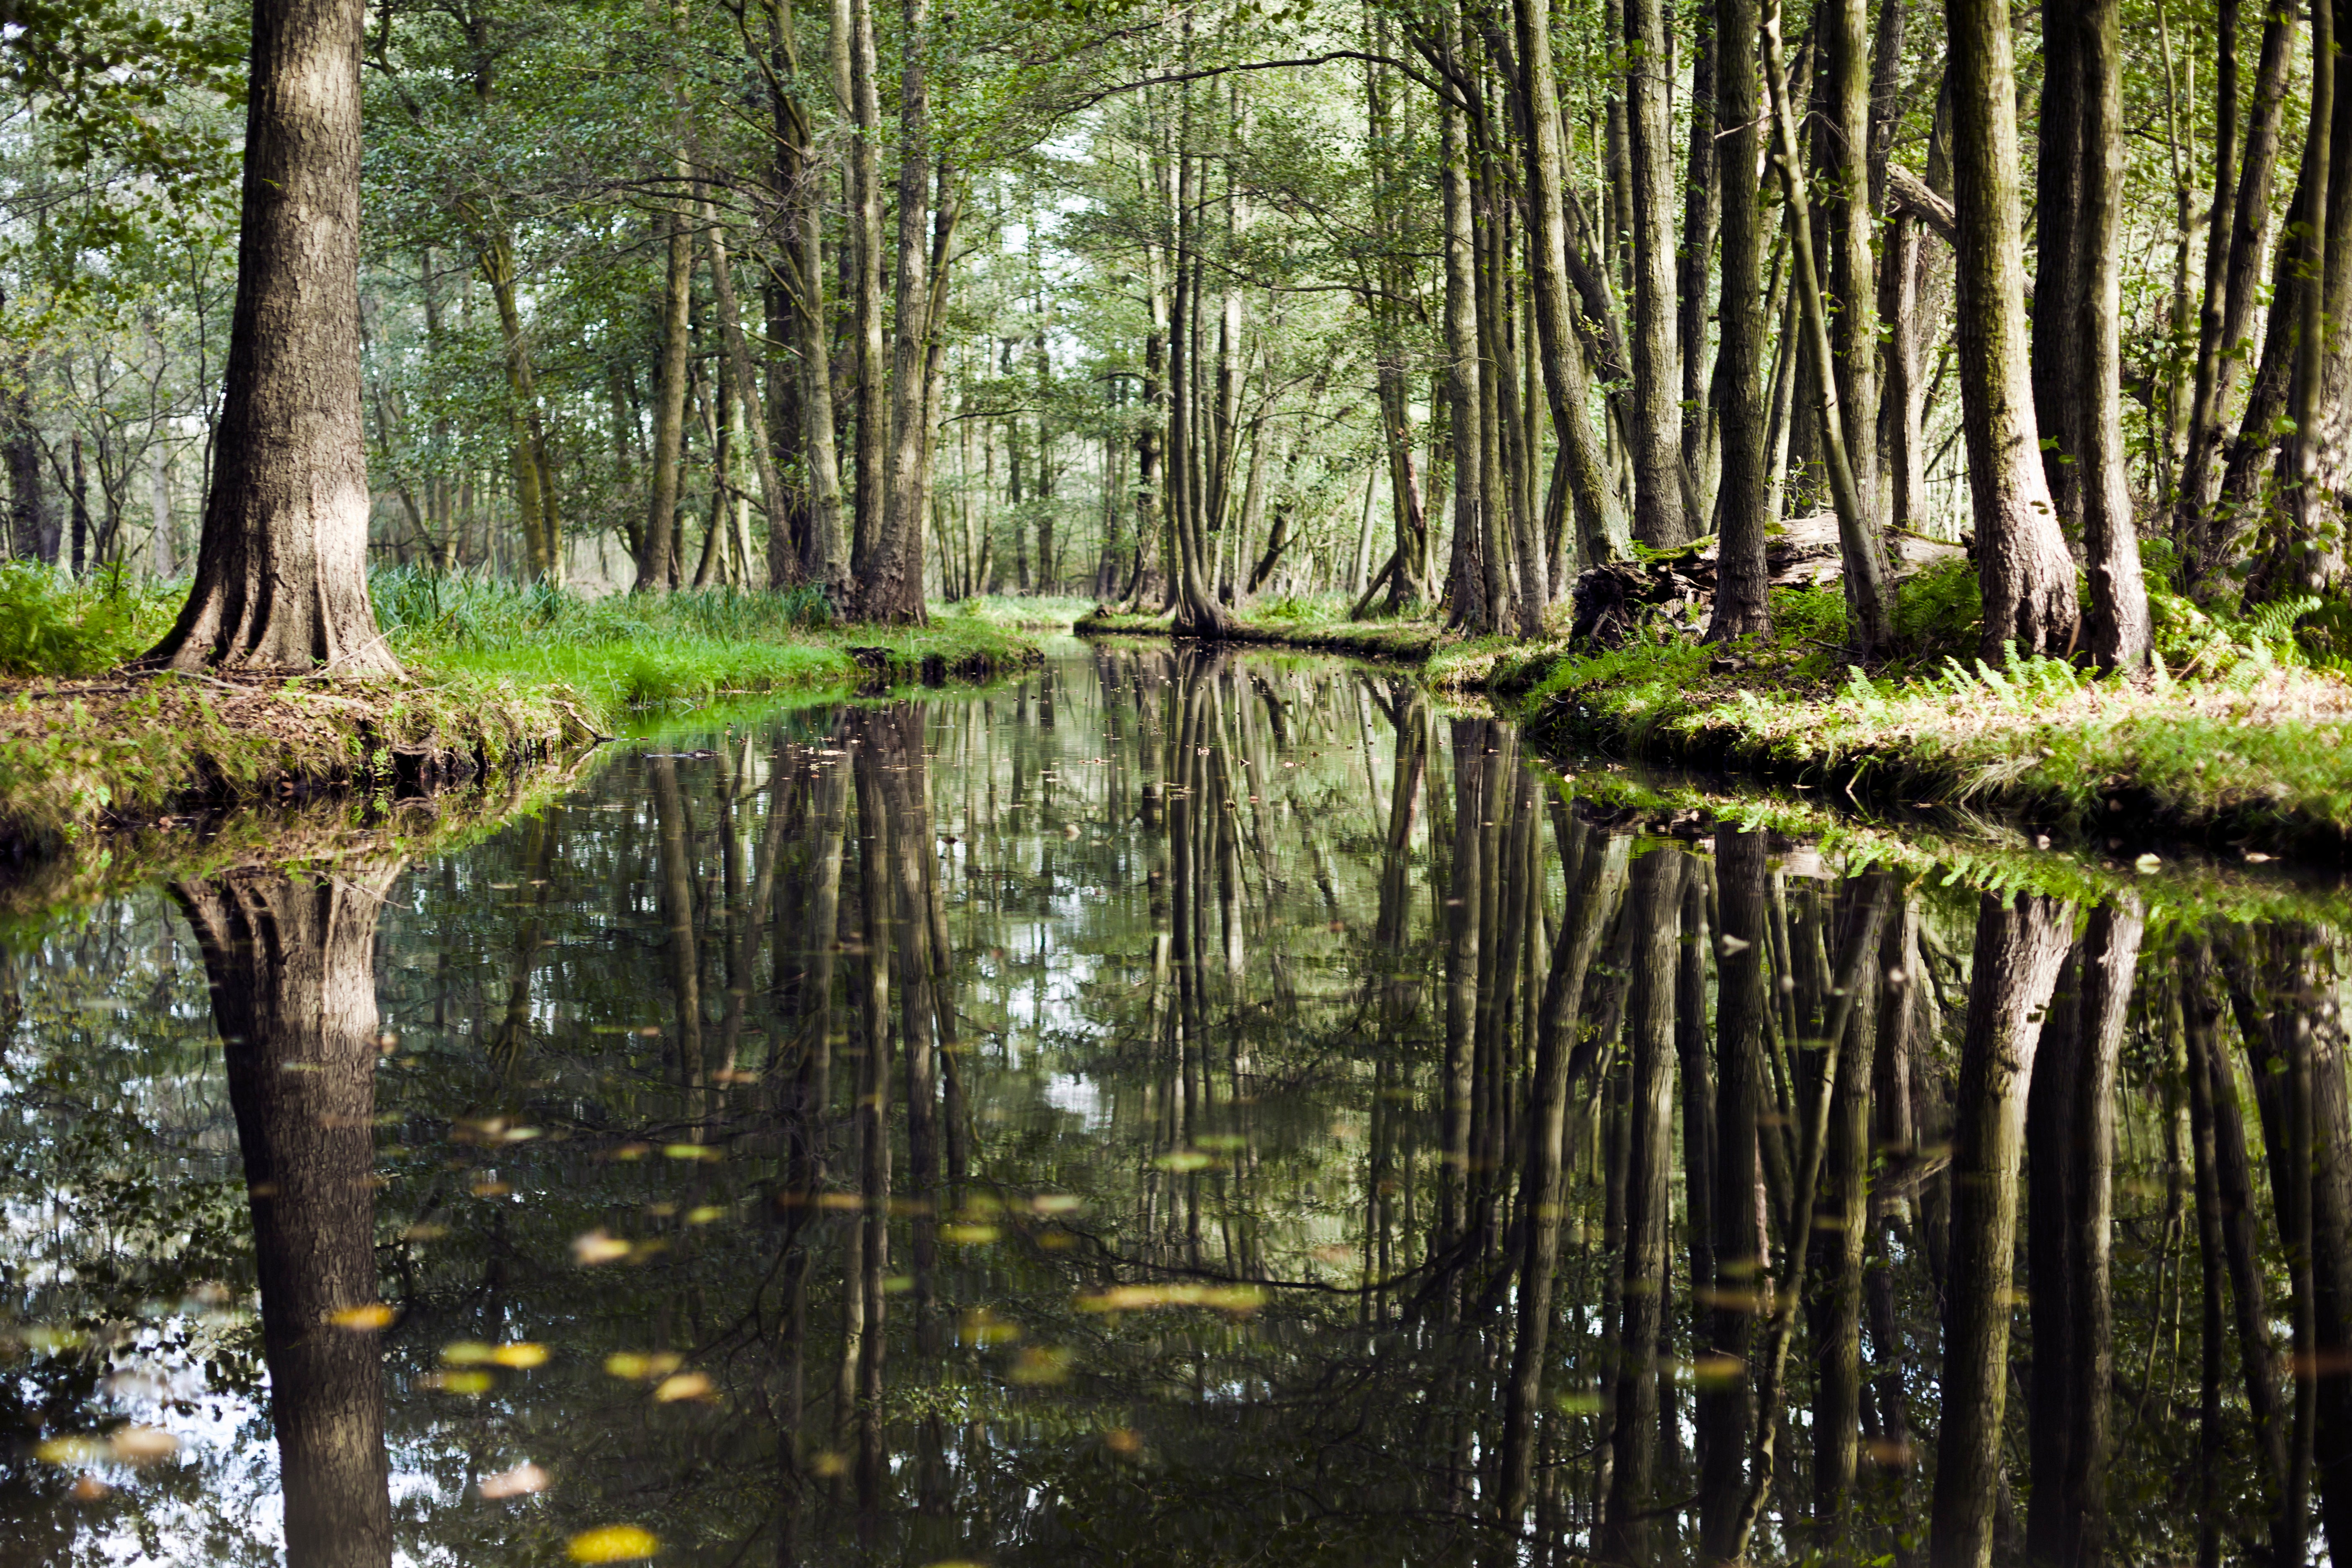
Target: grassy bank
{"points": [[2242, 739], [497, 675]]}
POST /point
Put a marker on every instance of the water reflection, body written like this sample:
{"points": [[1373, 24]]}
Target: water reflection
{"points": [[1179, 1109]]}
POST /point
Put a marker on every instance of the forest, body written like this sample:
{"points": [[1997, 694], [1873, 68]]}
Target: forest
{"points": [[1422, 310]]}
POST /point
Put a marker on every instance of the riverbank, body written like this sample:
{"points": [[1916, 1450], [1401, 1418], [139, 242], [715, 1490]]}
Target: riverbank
{"points": [[497, 678], [2247, 748]]}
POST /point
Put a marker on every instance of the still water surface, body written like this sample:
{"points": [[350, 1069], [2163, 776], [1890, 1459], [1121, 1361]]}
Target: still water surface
{"points": [[1172, 1110]]}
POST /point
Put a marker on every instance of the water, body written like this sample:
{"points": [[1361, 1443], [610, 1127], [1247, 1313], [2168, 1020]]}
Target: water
{"points": [[1172, 1110]]}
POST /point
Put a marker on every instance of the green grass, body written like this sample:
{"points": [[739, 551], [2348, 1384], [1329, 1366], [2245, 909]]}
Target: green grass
{"points": [[497, 674]]}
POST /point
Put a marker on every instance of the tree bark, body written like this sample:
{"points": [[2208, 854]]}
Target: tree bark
{"points": [[1744, 499], [2023, 569], [1601, 527], [2241, 208], [1659, 517], [1869, 606], [281, 569], [656, 561], [888, 563], [853, 22]]}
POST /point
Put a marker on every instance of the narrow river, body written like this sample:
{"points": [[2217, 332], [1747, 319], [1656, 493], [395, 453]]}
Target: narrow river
{"points": [[1175, 1108]]}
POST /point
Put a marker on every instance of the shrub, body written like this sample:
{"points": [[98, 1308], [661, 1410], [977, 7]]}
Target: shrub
{"points": [[1940, 613]]}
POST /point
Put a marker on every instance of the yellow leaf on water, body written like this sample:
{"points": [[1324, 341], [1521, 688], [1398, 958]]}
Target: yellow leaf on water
{"points": [[521, 1354], [465, 1382], [704, 1213], [1051, 1204], [79, 1450], [598, 1246], [1137, 1297], [375, 1315], [1184, 1160], [969, 1235], [682, 1385], [465, 1352], [520, 1481], [613, 1544], [637, 1368]]}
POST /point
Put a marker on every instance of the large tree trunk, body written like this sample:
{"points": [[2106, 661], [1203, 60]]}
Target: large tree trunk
{"points": [[657, 557], [1744, 502], [1852, 286], [2241, 208], [1869, 606], [773, 499], [888, 563], [291, 965], [2023, 569], [1465, 576], [543, 528], [2077, 311], [853, 28], [2018, 950], [1600, 529], [281, 570], [1659, 516]]}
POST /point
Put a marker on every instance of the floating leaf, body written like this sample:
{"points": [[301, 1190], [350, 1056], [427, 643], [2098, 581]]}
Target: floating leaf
{"points": [[690, 1151], [598, 1245], [1051, 1204], [465, 1352], [613, 1544], [465, 1382], [1137, 1297], [637, 1368], [1184, 1160], [520, 1481], [969, 1235], [521, 1355], [364, 1320], [77, 1450], [683, 1386], [705, 1215], [142, 1445]]}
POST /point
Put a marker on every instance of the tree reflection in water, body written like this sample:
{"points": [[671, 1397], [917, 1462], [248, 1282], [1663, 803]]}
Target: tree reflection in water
{"points": [[1190, 1109]]}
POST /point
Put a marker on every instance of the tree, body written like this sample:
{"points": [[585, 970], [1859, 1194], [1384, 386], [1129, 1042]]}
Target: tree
{"points": [[281, 568], [2024, 572]]}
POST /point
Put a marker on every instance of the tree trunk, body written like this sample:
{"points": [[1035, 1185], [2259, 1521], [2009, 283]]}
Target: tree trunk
{"points": [[657, 567], [1601, 527], [2241, 208], [1743, 498], [1659, 517], [291, 965], [2019, 949], [1869, 605], [1848, 218], [888, 563], [2077, 326], [773, 499], [853, 22], [2023, 569], [1471, 606], [281, 569]]}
